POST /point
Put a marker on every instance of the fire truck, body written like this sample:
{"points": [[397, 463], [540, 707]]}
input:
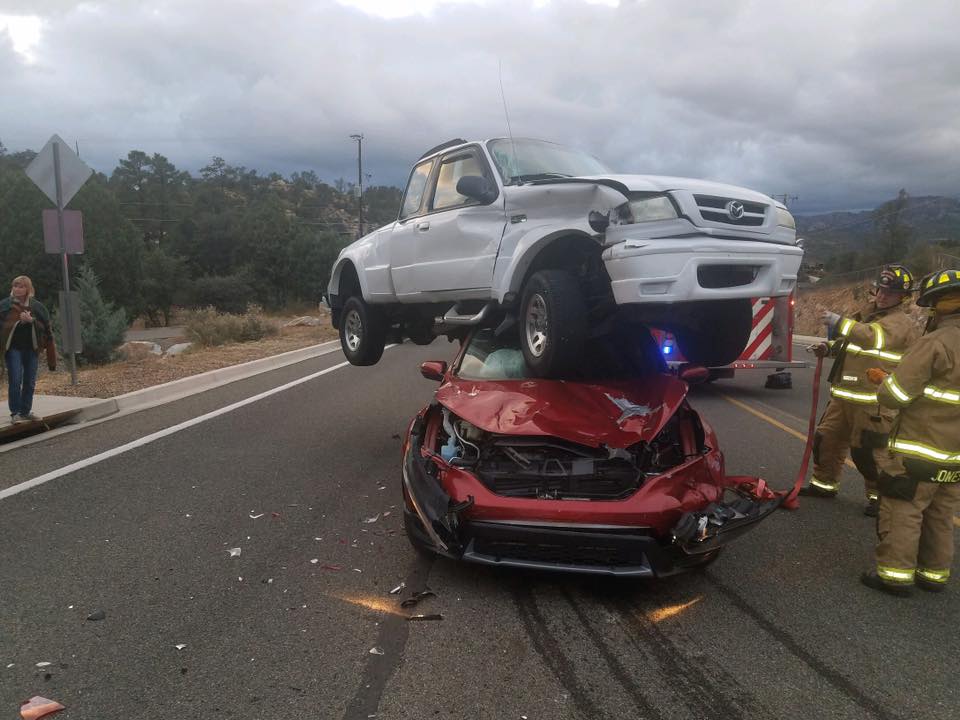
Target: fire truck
{"points": [[770, 346]]}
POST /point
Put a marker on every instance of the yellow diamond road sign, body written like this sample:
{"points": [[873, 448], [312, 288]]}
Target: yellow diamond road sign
{"points": [[73, 171]]}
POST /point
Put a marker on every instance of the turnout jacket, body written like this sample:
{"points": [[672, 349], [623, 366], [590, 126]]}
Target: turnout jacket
{"points": [[870, 338], [926, 389]]}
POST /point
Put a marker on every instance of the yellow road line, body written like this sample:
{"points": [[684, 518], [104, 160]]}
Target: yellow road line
{"points": [[776, 423]]}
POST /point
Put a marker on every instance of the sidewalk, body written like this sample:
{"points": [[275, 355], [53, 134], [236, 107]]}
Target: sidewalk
{"points": [[51, 409]]}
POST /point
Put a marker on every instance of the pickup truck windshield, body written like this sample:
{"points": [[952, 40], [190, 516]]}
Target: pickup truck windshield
{"points": [[524, 159], [622, 355]]}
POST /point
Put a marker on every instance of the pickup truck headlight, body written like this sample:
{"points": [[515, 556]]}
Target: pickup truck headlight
{"points": [[644, 209], [785, 219]]}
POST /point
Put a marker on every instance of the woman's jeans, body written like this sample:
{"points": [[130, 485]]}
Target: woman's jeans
{"points": [[22, 377]]}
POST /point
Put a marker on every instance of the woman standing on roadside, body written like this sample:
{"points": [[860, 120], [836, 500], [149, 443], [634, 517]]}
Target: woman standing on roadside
{"points": [[24, 333]]}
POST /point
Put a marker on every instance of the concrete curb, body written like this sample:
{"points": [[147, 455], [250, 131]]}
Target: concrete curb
{"points": [[128, 403], [184, 387]]}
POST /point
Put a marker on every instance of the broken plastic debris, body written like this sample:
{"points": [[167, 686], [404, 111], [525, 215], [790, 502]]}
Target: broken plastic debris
{"points": [[357, 570], [386, 514], [234, 552], [371, 520], [181, 646], [275, 515], [38, 707], [44, 664], [398, 589], [314, 561], [254, 517], [417, 597], [10, 665], [431, 616], [331, 567], [376, 651], [97, 615]]}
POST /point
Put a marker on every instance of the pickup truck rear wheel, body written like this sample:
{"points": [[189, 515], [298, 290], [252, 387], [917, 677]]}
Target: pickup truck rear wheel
{"points": [[363, 332], [553, 322]]}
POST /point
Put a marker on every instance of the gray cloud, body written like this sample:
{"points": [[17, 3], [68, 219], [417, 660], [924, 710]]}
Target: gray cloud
{"points": [[842, 104]]}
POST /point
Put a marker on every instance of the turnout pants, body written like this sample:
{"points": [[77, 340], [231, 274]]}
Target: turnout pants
{"points": [[855, 427], [914, 536]]}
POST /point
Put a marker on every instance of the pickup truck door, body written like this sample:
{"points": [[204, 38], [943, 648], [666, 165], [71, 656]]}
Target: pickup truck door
{"points": [[457, 238], [402, 242]]}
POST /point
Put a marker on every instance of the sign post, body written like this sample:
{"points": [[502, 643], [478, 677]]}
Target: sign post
{"points": [[60, 173]]}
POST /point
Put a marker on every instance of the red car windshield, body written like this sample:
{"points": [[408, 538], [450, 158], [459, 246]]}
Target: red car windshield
{"points": [[626, 354]]}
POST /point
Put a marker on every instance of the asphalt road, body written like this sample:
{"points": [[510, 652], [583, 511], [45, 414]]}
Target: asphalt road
{"points": [[778, 627]]}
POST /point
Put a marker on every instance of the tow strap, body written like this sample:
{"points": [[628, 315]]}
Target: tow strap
{"points": [[790, 502]]}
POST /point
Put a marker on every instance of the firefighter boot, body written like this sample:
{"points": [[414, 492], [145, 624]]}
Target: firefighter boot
{"points": [[873, 581]]}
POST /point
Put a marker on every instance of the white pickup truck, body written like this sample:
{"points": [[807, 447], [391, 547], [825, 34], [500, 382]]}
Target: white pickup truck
{"points": [[544, 240]]}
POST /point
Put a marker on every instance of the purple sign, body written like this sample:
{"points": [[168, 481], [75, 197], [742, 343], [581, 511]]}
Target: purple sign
{"points": [[72, 232]]}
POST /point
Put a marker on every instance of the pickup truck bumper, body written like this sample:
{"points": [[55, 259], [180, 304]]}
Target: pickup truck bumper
{"points": [[669, 270]]}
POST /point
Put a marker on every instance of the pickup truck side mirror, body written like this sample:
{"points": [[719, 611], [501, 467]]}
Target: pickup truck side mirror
{"points": [[434, 370], [477, 187]]}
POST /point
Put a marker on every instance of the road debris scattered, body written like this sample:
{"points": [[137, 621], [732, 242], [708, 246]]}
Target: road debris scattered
{"points": [[39, 707], [234, 552], [371, 520], [417, 597], [44, 664], [181, 646], [314, 561], [357, 570], [398, 589], [376, 651], [254, 517], [332, 567], [97, 615], [431, 616]]}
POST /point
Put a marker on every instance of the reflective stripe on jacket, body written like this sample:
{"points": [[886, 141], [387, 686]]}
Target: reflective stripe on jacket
{"points": [[926, 388], [878, 341]]}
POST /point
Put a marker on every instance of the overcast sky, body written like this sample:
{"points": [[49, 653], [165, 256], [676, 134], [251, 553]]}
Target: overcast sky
{"points": [[839, 103]]}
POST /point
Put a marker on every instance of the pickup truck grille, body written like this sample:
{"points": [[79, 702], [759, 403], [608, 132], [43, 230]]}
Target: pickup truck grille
{"points": [[716, 209]]}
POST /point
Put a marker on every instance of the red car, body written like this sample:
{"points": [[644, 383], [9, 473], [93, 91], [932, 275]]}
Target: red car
{"points": [[607, 471]]}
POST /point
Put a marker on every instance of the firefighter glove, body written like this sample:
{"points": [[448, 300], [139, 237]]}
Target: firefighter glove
{"points": [[821, 349], [876, 375], [830, 319]]}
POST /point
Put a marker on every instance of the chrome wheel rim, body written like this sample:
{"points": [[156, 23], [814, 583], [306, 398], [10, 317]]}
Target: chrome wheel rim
{"points": [[536, 325], [353, 330]]}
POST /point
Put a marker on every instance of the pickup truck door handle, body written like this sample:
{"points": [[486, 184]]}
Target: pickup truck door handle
{"points": [[423, 226]]}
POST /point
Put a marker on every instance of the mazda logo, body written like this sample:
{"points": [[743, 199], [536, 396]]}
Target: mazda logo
{"points": [[735, 209]]}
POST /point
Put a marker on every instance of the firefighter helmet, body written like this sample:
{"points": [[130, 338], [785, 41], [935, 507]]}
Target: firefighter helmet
{"points": [[895, 278], [934, 285]]}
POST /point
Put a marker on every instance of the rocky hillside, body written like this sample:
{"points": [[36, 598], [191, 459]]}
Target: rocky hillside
{"points": [[841, 299]]}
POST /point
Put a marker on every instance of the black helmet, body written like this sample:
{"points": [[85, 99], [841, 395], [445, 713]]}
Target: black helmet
{"points": [[895, 278], [936, 284]]}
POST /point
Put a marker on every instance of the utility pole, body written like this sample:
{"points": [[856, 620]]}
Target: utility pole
{"points": [[359, 139], [785, 198]]}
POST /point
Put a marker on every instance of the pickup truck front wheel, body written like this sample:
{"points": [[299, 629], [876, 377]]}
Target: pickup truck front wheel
{"points": [[553, 322], [363, 332]]}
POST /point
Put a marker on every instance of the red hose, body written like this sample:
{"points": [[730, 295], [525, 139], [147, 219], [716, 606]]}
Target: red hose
{"points": [[790, 501]]}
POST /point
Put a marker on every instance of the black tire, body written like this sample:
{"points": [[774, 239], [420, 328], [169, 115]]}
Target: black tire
{"points": [[363, 332], [720, 334], [553, 322], [420, 332]]}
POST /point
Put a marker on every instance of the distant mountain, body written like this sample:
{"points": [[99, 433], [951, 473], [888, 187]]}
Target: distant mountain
{"points": [[931, 218]]}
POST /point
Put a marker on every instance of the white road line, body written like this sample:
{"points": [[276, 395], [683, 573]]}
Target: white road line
{"points": [[147, 439]]}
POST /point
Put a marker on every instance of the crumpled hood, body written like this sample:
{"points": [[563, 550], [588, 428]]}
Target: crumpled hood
{"points": [[614, 414], [664, 183]]}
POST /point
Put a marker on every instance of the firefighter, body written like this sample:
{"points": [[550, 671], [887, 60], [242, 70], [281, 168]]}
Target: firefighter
{"points": [[876, 336], [920, 474]]}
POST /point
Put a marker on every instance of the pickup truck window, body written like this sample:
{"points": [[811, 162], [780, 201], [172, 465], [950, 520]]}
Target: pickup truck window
{"points": [[451, 170], [413, 197]]}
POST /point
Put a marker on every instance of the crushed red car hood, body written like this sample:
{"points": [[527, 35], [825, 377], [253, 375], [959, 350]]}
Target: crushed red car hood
{"points": [[615, 414]]}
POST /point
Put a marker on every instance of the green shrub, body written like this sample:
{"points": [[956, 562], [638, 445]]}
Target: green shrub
{"points": [[208, 327], [102, 326], [226, 293]]}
